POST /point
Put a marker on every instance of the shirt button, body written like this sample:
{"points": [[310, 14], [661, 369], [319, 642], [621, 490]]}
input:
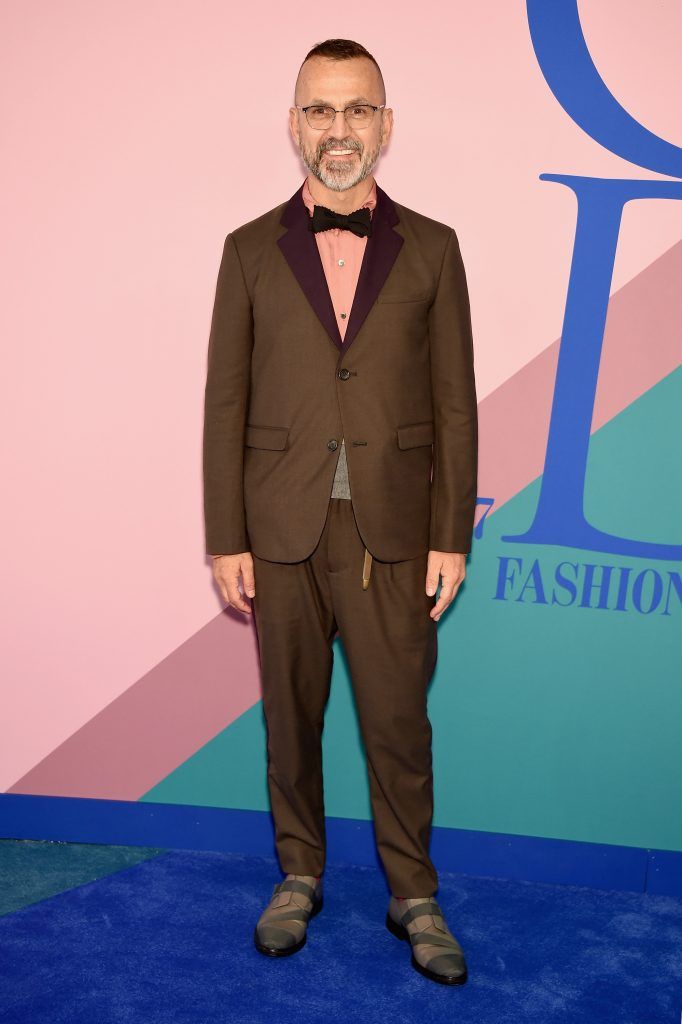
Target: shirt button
{"points": [[341, 262], [343, 316]]}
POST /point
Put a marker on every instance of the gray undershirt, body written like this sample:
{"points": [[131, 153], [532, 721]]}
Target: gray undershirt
{"points": [[341, 485]]}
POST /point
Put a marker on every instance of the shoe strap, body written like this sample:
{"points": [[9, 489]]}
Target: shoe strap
{"points": [[431, 939], [299, 914], [295, 885], [419, 910]]}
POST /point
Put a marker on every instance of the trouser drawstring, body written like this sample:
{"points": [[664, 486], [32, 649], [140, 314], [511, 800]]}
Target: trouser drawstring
{"points": [[366, 569]]}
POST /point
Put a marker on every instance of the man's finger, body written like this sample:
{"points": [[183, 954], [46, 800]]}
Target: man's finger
{"points": [[249, 580], [432, 577], [444, 599], [235, 597]]}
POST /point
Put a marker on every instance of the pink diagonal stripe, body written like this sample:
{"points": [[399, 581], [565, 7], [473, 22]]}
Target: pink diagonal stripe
{"points": [[160, 721]]}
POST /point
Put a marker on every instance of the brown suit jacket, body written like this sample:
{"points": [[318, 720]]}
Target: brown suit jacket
{"points": [[283, 389]]}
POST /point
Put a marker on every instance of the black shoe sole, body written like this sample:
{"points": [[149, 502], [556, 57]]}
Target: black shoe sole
{"points": [[401, 932], [288, 950]]}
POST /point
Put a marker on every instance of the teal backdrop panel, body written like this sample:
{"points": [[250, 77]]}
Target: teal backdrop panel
{"points": [[551, 717]]}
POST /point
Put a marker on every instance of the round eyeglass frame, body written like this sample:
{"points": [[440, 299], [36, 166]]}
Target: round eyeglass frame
{"points": [[373, 106]]}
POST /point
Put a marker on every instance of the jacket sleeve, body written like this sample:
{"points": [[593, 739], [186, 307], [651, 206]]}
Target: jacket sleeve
{"points": [[455, 452], [225, 408]]}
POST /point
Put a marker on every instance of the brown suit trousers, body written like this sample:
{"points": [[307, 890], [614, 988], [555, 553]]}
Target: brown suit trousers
{"points": [[391, 645]]}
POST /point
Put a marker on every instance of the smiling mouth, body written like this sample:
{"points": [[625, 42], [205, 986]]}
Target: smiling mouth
{"points": [[339, 152]]}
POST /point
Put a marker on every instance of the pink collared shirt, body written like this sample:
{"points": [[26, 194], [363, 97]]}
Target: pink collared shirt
{"points": [[341, 253]]}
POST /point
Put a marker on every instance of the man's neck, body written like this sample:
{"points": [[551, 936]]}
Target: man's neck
{"points": [[340, 202]]}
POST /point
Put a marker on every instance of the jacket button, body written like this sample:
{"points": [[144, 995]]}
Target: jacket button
{"points": [[333, 444], [344, 374]]}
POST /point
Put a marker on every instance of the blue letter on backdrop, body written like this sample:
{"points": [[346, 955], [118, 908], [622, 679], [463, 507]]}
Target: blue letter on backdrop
{"points": [[565, 62]]}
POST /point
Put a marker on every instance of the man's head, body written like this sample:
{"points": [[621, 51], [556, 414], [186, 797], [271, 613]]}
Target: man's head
{"points": [[340, 73]]}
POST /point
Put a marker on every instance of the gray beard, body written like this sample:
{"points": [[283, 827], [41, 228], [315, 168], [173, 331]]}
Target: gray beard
{"points": [[341, 181]]}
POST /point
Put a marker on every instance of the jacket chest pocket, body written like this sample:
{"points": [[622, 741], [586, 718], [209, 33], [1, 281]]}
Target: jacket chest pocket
{"points": [[413, 435], [406, 296]]}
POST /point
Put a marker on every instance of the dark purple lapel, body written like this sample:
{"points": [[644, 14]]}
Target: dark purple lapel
{"points": [[301, 253]]}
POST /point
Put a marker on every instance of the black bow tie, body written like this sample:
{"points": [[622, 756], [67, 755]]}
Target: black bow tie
{"points": [[358, 222]]}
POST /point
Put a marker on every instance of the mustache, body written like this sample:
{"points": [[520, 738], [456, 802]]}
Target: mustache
{"points": [[339, 145]]}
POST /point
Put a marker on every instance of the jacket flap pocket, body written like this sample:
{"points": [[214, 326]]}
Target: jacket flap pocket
{"points": [[414, 434], [273, 438]]}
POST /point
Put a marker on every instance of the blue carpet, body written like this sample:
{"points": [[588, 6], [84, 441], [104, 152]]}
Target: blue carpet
{"points": [[169, 941]]}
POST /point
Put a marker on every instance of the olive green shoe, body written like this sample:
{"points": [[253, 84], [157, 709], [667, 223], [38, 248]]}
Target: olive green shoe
{"points": [[282, 927], [436, 953]]}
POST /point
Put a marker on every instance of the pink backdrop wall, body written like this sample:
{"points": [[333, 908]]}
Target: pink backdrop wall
{"points": [[130, 150]]}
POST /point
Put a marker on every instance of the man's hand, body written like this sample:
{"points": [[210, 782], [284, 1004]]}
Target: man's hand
{"points": [[227, 570], [451, 566]]}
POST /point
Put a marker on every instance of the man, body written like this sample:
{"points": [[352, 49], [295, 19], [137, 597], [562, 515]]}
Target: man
{"points": [[340, 460]]}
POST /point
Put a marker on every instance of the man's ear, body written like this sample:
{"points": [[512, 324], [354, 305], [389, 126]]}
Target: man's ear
{"points": [[388, 124], [293, 124]]}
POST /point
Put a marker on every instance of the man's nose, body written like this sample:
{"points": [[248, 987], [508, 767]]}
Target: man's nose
{"points": [[344, 125]]}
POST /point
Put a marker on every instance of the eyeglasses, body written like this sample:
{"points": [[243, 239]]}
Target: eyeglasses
{"points": [[358, 115]]}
